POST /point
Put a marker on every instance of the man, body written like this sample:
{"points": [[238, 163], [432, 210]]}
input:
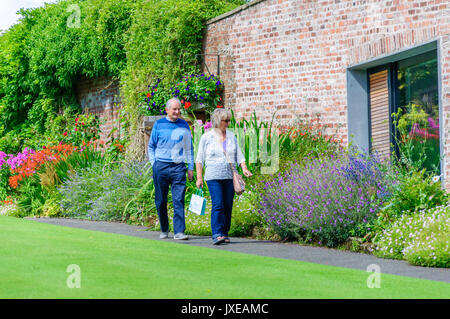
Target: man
{"points": [[170, 146]]}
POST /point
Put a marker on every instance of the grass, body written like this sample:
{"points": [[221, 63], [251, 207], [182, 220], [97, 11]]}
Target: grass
{"points": [[35, 256]]}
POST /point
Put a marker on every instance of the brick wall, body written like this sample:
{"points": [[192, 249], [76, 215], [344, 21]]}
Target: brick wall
{"points": [[100, 96], [292, 55]]}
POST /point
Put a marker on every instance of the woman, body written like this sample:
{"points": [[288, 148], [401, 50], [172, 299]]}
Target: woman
{"points": [[218, 173]]}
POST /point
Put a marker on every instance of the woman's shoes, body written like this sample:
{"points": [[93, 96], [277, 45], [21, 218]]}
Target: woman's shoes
{"points": [[219, 240]]}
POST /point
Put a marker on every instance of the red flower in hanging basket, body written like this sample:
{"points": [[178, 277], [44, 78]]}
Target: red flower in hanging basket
{"points": [[219, 106], [148, 95], [187, 105]]}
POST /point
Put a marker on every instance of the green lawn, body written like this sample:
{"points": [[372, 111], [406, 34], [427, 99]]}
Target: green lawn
{"points": [[34, 259]]}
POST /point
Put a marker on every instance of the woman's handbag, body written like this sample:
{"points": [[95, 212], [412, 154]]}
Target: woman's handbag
{"points": [[238, 181], [198, 203]]}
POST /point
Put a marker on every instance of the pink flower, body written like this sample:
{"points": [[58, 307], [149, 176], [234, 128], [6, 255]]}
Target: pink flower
{"points": [[415, 130], [207, 126], [432, 123]]}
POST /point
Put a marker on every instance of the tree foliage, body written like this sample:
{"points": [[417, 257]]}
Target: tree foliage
{"points": [[43, 56]]}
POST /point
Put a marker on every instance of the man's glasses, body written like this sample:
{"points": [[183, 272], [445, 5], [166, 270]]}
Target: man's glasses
{"points": [[228, 121]]}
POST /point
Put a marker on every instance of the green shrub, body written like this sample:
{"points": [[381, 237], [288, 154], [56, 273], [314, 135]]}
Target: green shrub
{"points": [[52, 207], [31, 197], [421, 238], [124, 193], [245, 217], [8, 210], [5, 189], [414, 191], [80, 191], [430, 245]]}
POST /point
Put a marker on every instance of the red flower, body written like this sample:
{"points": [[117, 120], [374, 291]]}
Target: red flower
{"points": [[219, 106], [182, 101], [76, 120], [187, 105], [82, 123], [65, 134], [148, 94]]}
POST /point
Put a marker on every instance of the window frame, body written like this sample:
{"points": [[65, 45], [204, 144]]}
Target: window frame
{"points": [[394, 98], [357, 94]]}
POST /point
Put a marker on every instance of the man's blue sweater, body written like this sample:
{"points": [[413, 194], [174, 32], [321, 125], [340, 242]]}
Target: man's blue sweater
{"points": [[171, 142]]}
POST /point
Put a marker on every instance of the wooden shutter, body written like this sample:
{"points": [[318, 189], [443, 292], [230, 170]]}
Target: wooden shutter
{"points": [[379, 113]]}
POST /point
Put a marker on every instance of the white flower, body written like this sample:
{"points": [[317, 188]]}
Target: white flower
{"points": [[436, 178]]}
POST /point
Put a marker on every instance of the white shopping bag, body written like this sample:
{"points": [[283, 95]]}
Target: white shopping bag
{"points": [[198, 203]]}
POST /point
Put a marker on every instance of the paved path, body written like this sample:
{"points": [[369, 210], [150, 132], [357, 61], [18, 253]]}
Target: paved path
{"points": [[317, 255]]}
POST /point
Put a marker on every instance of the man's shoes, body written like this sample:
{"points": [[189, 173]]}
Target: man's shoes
{"points": [[164, 235], [180, 236]]}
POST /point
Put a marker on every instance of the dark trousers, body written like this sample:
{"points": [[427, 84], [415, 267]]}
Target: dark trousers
{"points": [[222, 194], [174, 175]]}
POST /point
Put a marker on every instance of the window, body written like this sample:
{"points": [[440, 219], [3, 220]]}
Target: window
{"points": [[404, 109]]}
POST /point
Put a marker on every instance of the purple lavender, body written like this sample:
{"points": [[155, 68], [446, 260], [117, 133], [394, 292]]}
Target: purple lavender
{"points": [[324, 199]]}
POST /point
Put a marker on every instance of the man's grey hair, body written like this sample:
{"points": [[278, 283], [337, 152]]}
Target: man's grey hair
{"points": [[172, 101], [218, 115]]}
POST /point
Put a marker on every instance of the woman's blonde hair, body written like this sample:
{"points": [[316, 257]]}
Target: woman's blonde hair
{"points": [[218, 115]]}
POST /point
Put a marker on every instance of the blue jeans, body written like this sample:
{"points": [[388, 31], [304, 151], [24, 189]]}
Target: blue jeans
{"points": [[222, 194], [165, 175]]}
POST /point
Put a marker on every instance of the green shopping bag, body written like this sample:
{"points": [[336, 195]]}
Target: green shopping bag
{"points": [[198, 203]]}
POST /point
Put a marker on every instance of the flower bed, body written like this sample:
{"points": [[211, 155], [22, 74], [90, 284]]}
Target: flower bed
{"points": [[422, 239], [325, 200]]}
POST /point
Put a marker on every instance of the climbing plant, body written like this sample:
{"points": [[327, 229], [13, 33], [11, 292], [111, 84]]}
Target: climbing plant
{"points": [[134, 41]]}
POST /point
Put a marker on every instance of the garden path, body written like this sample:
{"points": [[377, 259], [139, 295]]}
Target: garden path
{"points": [[319, 255]]}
